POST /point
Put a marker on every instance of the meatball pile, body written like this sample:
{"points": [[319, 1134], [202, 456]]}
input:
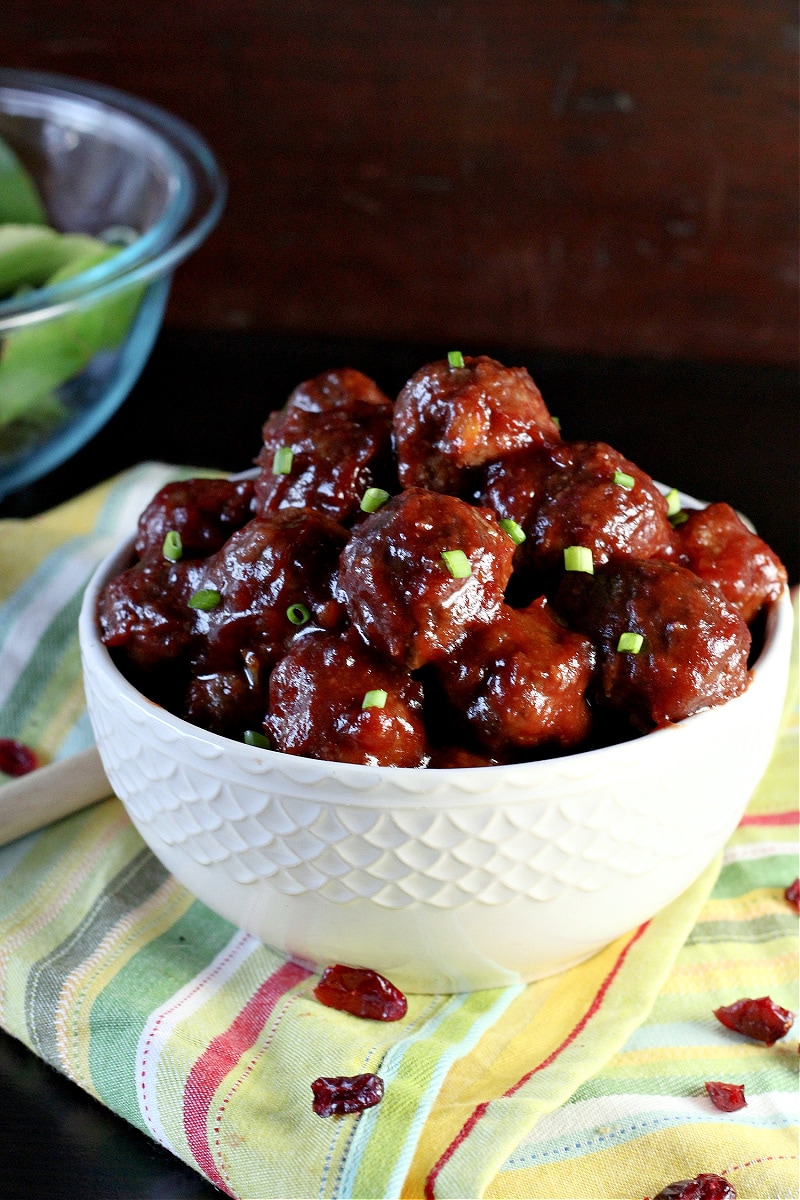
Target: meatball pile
{"points": [[442, 582]]}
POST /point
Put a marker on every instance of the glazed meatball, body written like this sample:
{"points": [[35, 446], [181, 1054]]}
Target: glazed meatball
{"points": [[522, 681], [515, 486], [589, 501], [454, 757], [403, 596], [227, 702], [144, 613], [272, 580], [205, 512], [335, 435], [317, 698], [450, 420], [720, 549], [343, 390], [694, 648]]}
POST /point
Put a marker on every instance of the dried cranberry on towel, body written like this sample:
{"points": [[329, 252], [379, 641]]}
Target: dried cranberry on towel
{"points": [[762, 1019], [338, 1095], [728, 1097], [702, 1187], [362, 992], [16, 758]]}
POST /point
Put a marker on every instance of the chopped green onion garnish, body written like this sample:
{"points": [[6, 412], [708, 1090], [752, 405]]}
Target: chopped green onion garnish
{"points": [[205, 599], [673, 502], [625, 481], [680, 518], [455, 359], [376, 699], [457, 563], [632, 642], [373, 499], [172, 549], [253, 738], [252, 668], [556, 422], [578, 558], [514, 531], [282, 462], [298, 614]]}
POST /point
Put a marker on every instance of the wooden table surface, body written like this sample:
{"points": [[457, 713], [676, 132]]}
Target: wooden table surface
{"points": [[612, 176]]}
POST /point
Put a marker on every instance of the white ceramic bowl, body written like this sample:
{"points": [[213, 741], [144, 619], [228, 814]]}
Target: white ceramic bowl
{"points": [[443, 880]]}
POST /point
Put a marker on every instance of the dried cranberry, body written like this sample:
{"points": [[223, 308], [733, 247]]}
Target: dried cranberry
{"points": [[761, 1019], [792, 894], [16, 758], [727, 1096], [333, 1097], [702, 1187], [361, 992]]}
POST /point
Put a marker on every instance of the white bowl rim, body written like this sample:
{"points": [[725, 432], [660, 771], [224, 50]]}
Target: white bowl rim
{"points": [[775, 651]]}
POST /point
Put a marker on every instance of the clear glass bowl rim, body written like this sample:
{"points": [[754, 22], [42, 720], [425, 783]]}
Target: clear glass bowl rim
{"points": [[200, 193]]}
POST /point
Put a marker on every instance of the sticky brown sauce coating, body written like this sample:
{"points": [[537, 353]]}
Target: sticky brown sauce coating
{"points": [[400, 593], [332, 697], [338, 431], [694, 648], [441, 629]]}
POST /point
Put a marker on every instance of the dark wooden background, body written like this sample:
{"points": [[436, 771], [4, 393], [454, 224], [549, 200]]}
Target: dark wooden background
{"points": [[603, 176]]}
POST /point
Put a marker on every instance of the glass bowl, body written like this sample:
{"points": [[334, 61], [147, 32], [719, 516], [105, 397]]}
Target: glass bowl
{"points": [[109, 165]]}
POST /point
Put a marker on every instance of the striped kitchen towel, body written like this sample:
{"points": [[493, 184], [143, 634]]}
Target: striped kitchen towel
{"points": [[589, 1084]]}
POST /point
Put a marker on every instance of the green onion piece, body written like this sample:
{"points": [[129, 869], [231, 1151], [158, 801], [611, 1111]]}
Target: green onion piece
{"points": [[457, 563], [376, 699], [514, 531], [253, 738], [556, 422], [455, 359], [282, 462], [205, 599], [172, 548], [625, 481], [578, 558], [673, 502], [252, 668], [298, 614], [632, 642], [680, 518], [373, 499]]}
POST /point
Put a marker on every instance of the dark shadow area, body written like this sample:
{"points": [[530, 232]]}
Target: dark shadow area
{"points": [[718, 431], [61, 1144]]}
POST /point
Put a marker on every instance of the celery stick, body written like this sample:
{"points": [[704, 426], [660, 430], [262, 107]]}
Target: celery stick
{"points": [[36, 360], [19, 200], [31, 254]]}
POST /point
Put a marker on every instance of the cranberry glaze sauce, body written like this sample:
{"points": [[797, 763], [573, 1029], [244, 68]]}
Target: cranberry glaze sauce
{"points": [[442, 581]]}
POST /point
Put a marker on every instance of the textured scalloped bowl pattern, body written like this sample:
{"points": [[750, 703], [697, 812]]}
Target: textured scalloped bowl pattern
{"points": [[444, 880]]}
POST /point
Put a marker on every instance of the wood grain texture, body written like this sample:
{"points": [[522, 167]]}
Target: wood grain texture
{"points": [[586, 175]]}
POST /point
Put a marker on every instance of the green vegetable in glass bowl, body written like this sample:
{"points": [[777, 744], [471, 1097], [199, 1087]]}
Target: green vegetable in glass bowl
{"points": [[36, 361], [102, 195]]}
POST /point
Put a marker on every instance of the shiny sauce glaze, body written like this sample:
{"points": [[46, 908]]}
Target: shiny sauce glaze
{"points": [[443, 581]]}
